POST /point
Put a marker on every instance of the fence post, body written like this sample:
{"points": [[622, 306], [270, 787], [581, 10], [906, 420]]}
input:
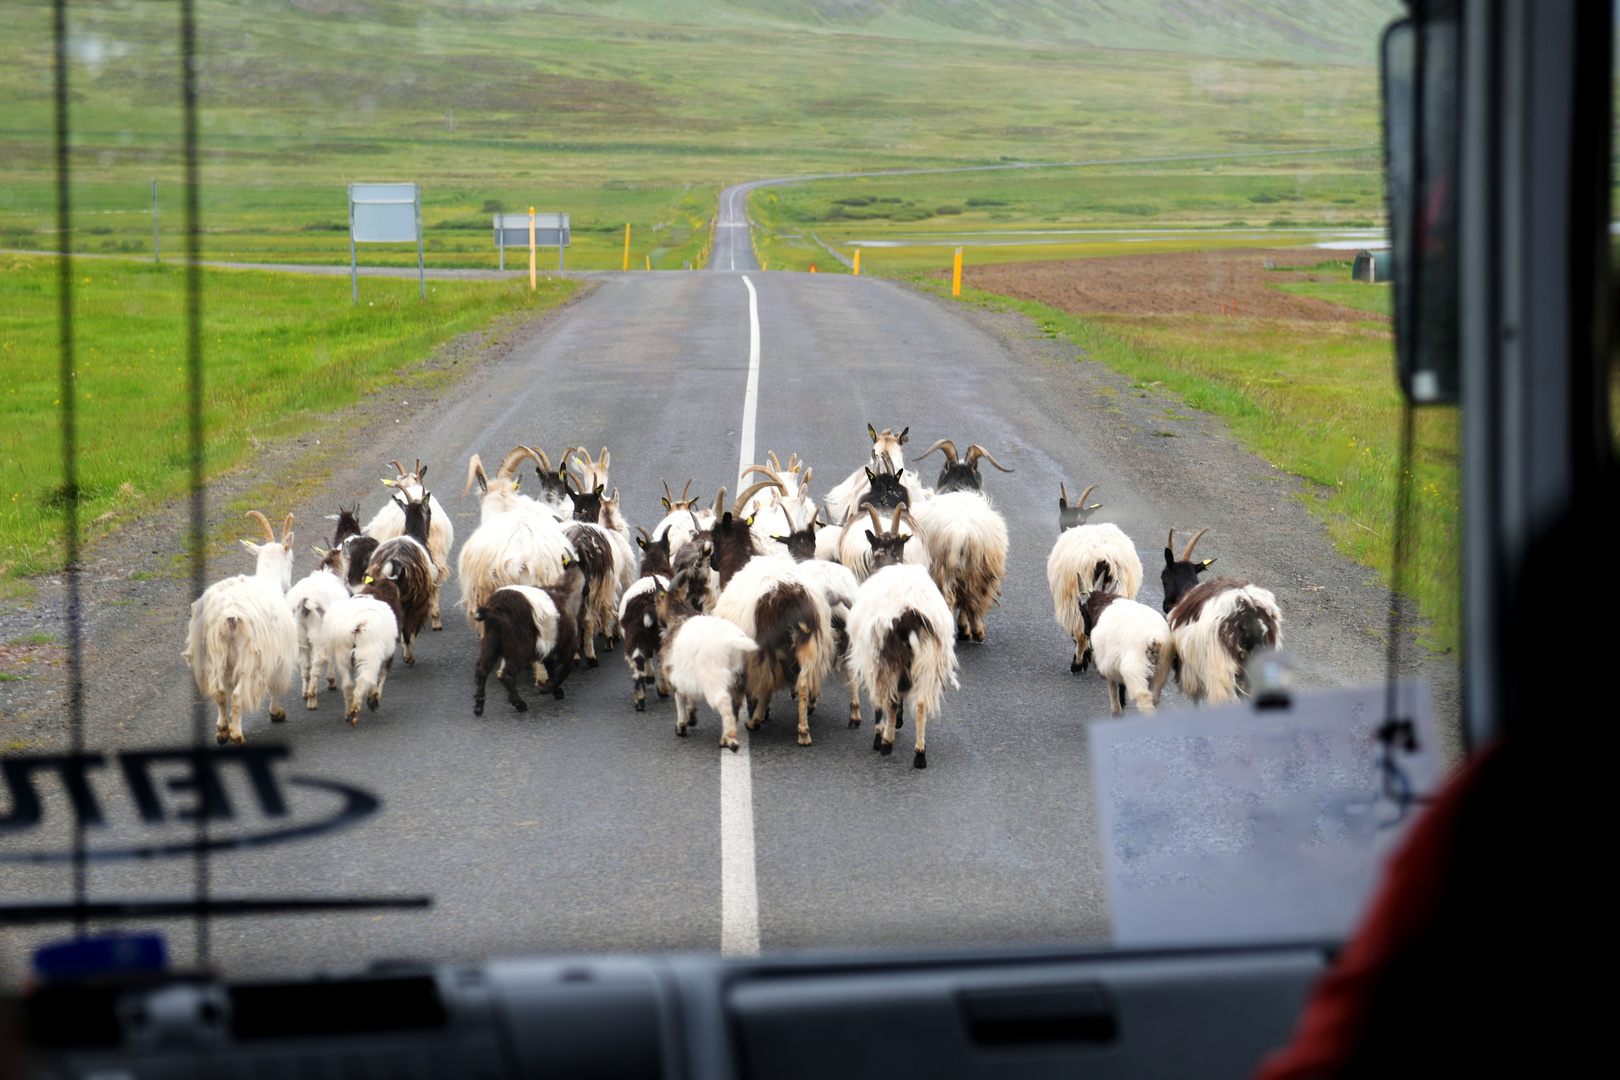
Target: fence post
{"points": [[421, 268], [156, 254], [627, 245], [531, 250], [956, 274], [354, 266], [856, 266]]}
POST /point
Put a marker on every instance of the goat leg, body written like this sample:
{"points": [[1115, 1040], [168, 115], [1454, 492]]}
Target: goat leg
{"points": [[222, 725], [736, 705], [433, 607], [854, 701], [919, 760], [509, 680], [803, 685]]}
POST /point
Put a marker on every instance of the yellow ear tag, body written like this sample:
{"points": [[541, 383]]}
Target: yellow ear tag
{"points": [[750, 519], [368, 579]]}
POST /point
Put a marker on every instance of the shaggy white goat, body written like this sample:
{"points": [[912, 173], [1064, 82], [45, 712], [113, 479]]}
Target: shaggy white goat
{"points": [[357, 639], [1087, 558], [1130, 643], [1216, 626], [310, 600], [966, 541]]}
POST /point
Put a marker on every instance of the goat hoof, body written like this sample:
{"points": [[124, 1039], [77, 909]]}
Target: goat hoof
{"points": [[664, 694], [804, 740], [221, 738], [899, 720], [886, 749], [278, 716], [641, 705], [436, 626], [752, 725], [1074, 667], [520, 705], [877, 740], [590, 661], [478, 708], [373, 702], [312, 702], [354, 718], [854, 721], [556, 693], [920, 760], [681, 732], [732, 745], [978, 635]]}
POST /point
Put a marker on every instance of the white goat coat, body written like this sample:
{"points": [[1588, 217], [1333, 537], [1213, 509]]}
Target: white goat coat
{"points": [[762, 575], [516, 548], [1072, 569], [705, 659], [242, 644], [1130, 644], [310, 599], [855, 551], [357, 638], [1208, 671], [967, 546], [883, 598]]}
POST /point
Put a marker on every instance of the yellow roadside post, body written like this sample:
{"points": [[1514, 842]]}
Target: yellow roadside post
{"points": [[531, 249], [956, 274], [627, 245], [649, 262], [857, 262]]}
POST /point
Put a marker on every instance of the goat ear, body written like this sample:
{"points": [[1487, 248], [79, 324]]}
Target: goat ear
{"points": [[1169, 557], [872, 431], [666, 505], [905, 435], [641, 542], [779, 539], [1206, 564], [870, 475], [250, 545], [421, 473], [287, 542], [750, 520], [387, 482], [727, 519], [871, 537]]}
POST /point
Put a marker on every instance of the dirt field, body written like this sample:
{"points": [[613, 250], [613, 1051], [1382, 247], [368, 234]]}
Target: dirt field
{"points": [[1176, 283]]}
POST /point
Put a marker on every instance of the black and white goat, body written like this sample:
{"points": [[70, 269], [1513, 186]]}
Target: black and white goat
{"points": [[553, 483], [844, 501], [1130, 643], [531, 629], [355, 545], [735, 540], [310, 600], [704, 658], [683, 518], [389, 522], [643, 636], [888, 498], [838, 588], [242, 642], [357, 640], [966, 544], [518, 541], [1216, 626], [902, 643], [960, 475], [597, 561], [405, 561], [1180, 576], [787, 617], [1087, 558]]}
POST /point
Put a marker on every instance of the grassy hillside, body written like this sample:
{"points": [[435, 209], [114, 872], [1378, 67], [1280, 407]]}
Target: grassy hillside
{"points": [[630, 111]]}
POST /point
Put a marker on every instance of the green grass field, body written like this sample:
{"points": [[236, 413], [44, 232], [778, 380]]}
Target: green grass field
{"points": [[280, 352], [628, 111], [1315, 399]]}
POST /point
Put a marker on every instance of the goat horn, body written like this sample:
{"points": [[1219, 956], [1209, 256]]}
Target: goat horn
{"points": [[696, 528], [742, 499], [1083, 495], [720, 503], [474, 468], [767, 471], [647, 536], [877, 525], [804, 481], [793, 463], [943, 444], [418, 467], [286, 532], [975, 452], [775, 464], [264, 522], [685, 489], [509, 463], [571, 485], [1170, 541], [1063, 489], [545, 462], [398, 466], [894, 519], [1187, 551], [668, 494]]}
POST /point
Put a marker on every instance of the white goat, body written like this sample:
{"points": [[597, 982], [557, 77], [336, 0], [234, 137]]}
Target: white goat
{"points": [[309, 601], [1130, 643], [1087, 558], [966, 543], [1216, 626], [787, 616], [389, 522], [519, 547], [357, 639], [242, 642], [500, 495], [844, 501], [902, 645], [855, 541], [703, 657]]}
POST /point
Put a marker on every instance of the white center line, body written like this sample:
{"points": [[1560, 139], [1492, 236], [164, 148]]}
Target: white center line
{"points": [[739, 885]]}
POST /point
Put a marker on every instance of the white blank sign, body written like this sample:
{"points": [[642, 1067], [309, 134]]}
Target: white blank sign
{"points": [[1241, 825], [384, 213]]}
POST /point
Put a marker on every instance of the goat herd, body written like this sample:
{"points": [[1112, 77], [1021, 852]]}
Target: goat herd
{"points": [[722, 605]]}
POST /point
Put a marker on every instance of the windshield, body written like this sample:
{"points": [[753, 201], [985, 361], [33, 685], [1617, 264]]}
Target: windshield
{"points": [[1100, 298]]}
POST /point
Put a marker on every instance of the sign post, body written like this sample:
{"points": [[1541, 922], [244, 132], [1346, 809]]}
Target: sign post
{"points": [[956, 274], [385, 214], [856, 267], [536, 230]]}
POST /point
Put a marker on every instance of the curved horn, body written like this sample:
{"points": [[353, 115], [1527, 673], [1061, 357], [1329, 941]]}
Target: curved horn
{"points": [[264, 523], [804, 480], [685, 489], [398, 466], [1186, 552], [545, 462], [1063, 489], [645, 535], [975, 452], [943, 444], [766, 470], [669, 496], [719, 503], [286, 532], [894, 520], [742, 499], [571, 485], [1170, 541], [793, 463], [775, 464], [877, 525], [696, 528], [474, 467], [509, 463], [1082, 502]]}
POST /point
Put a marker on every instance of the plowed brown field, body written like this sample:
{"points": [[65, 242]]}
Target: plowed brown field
{"points": [[1174, 283]]}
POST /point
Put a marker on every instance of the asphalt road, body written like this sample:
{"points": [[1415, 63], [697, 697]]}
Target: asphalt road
{"points": [[582, 825]]}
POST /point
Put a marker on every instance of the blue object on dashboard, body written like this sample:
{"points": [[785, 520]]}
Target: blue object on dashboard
{"points": [[109, 954]]}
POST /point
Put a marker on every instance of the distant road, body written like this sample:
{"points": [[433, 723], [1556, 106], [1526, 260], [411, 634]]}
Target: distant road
{"points": [[733, 245]]}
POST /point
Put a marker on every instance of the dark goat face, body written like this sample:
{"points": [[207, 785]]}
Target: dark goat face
{"points": [[1179, 576], [887, 492], [800, 544], [960, 474], [889, 549], [1072, 515], [553, 488], [588, 505], [418, 516], [732, 539], [348, 524]]}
